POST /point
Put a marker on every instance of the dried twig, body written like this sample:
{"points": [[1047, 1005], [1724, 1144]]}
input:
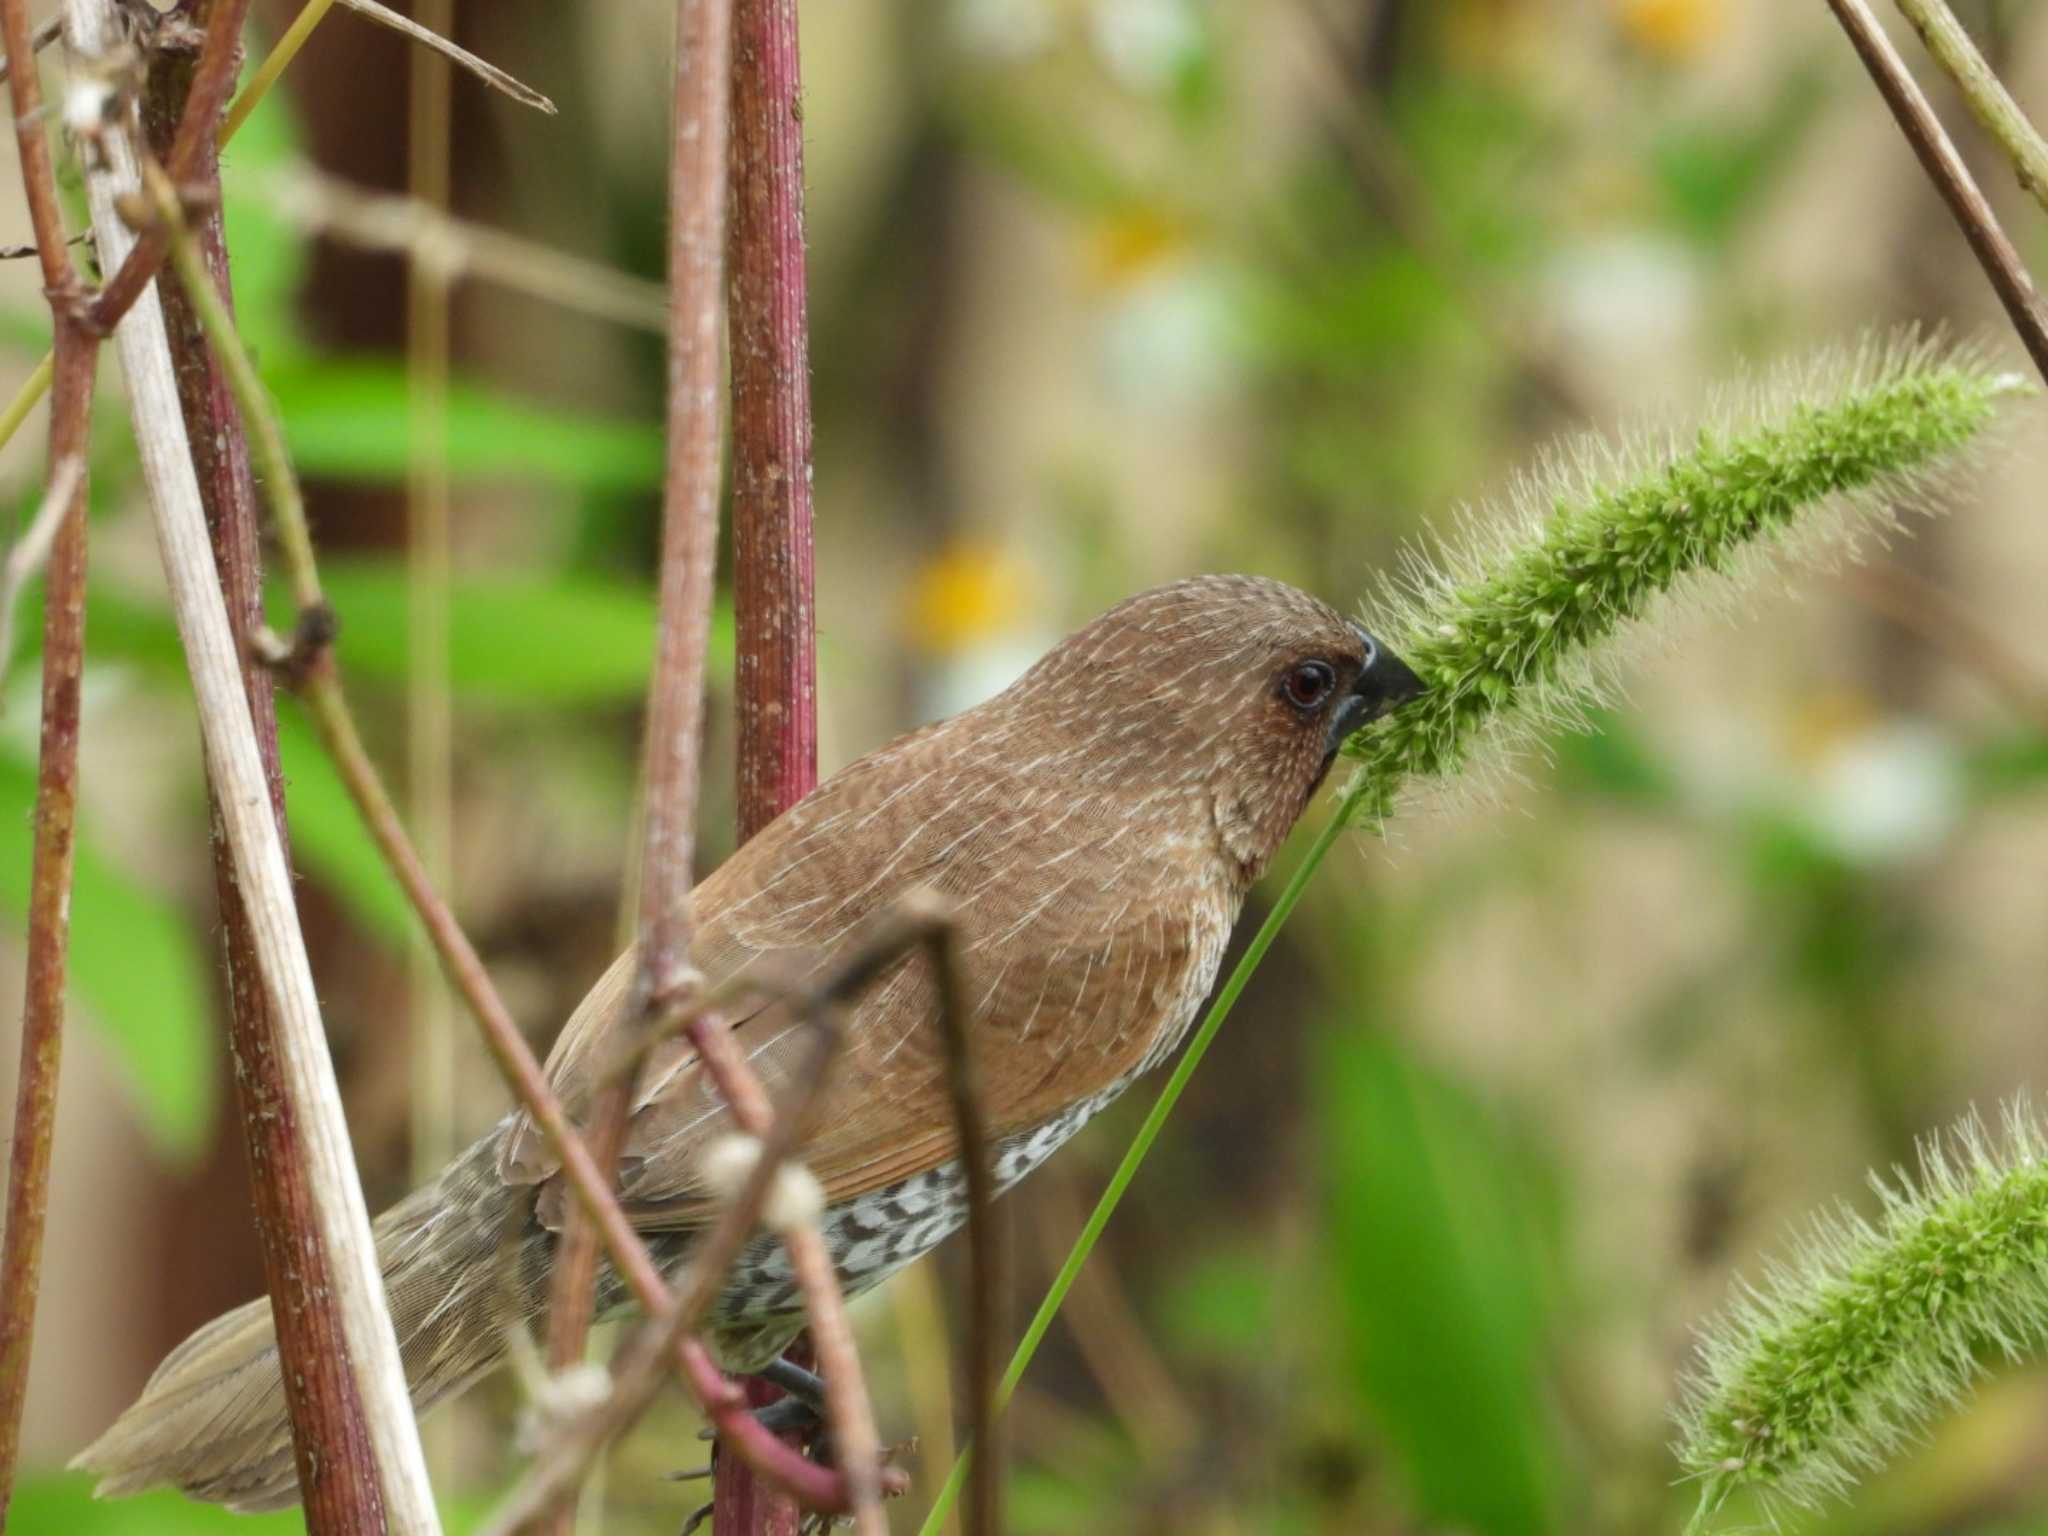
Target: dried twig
{"points": [[496, 78], [429, 564], [1988, 99], [322, 205], [1945, 168], [49, 919], [984, 1501], [337, 1472], [308, 664], [641, 1373], [237, 769], [213, 79], [665, 983]]}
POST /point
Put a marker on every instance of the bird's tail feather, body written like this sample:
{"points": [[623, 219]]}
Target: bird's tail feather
{"points": [[462, 1261]]}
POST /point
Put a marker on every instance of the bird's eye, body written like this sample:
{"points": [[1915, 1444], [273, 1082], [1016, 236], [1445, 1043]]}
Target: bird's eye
{"points": [[1307, 684]]}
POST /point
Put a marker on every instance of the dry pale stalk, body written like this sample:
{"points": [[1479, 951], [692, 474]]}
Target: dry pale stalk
{"points": [[337, 1471], [1945, 168], [309, 664], [1983, 92], [236, 768]]}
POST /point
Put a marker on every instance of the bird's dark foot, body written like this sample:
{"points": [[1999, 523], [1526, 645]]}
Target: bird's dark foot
{"points": [[801, 1410]]}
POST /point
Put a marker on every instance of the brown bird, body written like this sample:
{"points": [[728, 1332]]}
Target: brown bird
{"points": [[1095, 828]]}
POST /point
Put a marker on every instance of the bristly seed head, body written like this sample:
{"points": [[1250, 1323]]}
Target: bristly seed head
{"points": [[1509, 626], [1872, 1329]]}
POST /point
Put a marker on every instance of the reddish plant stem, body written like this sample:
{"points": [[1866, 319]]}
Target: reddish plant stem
{"points": [[665, 980], [49, 926], [773, 575], [321, 692], [1951, 178], [338, 1482], [211, 82], [775, 674], [56, 810], [310, 665]]}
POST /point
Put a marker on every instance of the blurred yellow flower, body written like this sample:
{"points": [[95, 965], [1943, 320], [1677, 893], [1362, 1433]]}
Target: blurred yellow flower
{"points": [[964, 598], [1675, 30], [1130, 245]]}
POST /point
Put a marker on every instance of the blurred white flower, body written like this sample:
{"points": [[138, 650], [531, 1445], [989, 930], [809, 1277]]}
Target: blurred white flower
{"points": [[1624, 303], [1144, 44], [1006, 30], [1885, 795], [1167, 340]]}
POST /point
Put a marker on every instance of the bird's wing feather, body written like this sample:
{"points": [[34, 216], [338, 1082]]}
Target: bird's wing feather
{"points": [[1065, 962]]}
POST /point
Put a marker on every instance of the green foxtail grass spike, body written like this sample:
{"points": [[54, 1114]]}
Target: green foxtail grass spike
{"points": [[1512, 624], [1872, 1329]]}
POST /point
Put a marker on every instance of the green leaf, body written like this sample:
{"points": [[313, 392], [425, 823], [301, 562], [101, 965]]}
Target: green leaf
{"points": [[329, 839], [1442, 1285], [349, 420], [137, 968], [266, 253], [61, 1504], [513, 638]]}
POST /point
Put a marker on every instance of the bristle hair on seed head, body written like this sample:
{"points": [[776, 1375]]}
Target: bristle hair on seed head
{"points": [[1873, 1327], [1520, 619]]}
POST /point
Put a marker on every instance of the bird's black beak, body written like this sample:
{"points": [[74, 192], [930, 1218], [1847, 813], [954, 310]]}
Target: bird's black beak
{"points": [[1385, 683]]}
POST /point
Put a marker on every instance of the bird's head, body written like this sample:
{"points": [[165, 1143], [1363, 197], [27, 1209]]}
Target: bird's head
{"points": [[1226, 694]]}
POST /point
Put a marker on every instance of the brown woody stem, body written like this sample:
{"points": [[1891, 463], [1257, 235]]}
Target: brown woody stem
{"points": [[1945, 168], [310, 667], [337, 1471], [49, 917], [112, 176], [56, 810], [212, 82]]}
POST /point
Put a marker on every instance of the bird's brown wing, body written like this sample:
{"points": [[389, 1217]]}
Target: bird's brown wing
{"points": [[1067, 951]]}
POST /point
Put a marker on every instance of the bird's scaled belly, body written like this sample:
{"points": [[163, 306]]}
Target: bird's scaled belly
{"points": [[873, 1235]]}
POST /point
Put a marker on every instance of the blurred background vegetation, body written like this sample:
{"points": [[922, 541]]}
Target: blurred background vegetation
{"points": [[1106, 292]]}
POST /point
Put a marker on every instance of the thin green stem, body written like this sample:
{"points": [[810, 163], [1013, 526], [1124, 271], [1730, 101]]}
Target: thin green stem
{"points": [[1988, 99], [32, 390], [274, 65], [1148, 1133]]}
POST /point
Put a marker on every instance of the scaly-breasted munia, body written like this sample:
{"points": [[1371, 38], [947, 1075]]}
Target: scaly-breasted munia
{"points": [[1094, 828]]}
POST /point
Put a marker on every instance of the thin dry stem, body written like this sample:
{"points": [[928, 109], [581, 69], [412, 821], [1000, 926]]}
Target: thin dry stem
{"points": [[1945, 168], [641, 1373], [337, 1470], [309, 664], [665, 980], [427, 234], [235, 763], [437, 40], [1986, 96], [984, 1494], [213, 79]]}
